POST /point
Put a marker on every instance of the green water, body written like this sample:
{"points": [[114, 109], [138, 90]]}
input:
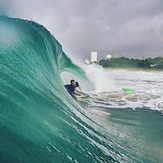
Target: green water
{"points": [[41, 122]]}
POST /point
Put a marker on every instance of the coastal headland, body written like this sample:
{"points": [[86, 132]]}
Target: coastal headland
{"points": [[123, 62]]}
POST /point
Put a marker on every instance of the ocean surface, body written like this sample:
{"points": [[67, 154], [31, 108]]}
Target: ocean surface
{"points": [[41, 122]]}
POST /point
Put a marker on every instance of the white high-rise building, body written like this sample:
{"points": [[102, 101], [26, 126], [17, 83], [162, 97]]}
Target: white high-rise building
{"points": [[93, 56]]}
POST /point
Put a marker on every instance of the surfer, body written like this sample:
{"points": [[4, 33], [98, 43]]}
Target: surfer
{"points": [[71, 87]]}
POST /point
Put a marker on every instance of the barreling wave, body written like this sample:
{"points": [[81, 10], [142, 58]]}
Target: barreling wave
{"points": [[39, 121]]}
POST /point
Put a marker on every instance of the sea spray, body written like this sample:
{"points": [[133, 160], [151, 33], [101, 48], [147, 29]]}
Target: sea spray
{"points": [[99, 77]]}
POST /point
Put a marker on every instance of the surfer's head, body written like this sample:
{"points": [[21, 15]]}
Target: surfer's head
{"points": [[73, 82]]}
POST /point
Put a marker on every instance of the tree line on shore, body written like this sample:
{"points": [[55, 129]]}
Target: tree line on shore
{"points": [[123, 62]]}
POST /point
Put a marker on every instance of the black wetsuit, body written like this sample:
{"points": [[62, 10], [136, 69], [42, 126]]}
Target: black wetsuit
{"points": [[71, 88]]}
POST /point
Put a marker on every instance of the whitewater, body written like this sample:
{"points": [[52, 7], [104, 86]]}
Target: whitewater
{"points": [[147, 86], [41, 122]]}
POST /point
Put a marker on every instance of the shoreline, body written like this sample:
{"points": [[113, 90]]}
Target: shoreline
{"points": [[132, 69]]}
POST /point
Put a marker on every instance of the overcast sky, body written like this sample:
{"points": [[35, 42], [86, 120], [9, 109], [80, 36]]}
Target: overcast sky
{"points": [[131, 28]]}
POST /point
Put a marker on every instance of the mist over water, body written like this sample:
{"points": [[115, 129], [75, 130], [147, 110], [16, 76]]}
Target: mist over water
{"points": [[99, 77]]}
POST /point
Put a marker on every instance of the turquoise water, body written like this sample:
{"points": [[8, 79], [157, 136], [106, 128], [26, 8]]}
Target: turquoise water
{"points": [[41, 122], [136, 133]]}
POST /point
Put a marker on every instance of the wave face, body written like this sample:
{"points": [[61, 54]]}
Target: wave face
{"points": [[39, 121]]}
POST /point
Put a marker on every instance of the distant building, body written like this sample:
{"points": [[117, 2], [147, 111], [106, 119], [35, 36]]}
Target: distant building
{"points": [[153, 65], [87, 61], [93, 56], [108, 56]]}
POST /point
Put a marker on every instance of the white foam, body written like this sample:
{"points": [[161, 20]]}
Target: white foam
{"points": [[147, 85], [99, 77]]}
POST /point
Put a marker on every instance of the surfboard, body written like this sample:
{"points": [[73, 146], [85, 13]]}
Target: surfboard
{"points": [[84, 95], [128, 89]]}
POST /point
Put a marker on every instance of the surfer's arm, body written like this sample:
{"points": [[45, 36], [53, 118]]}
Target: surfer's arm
{"points": [[77, 85], [78, 93], [80, 88]]}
